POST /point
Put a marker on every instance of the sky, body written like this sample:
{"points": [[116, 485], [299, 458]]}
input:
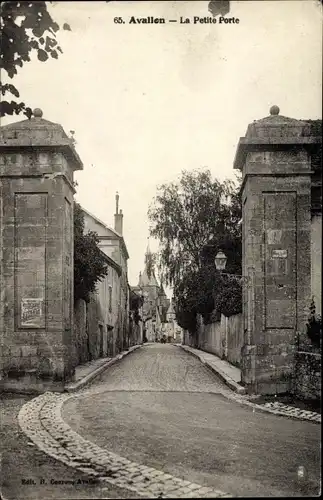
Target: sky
{"points": [[147, 101]]}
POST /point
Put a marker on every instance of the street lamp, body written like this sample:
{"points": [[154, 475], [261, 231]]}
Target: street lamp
{"points": [[220, 261]]}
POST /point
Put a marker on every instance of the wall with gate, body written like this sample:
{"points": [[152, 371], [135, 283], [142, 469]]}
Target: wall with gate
{"points": [[223, 338]]}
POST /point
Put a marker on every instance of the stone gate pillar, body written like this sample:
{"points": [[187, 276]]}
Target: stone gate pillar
{"points": [[37, 161], [274, 158]]}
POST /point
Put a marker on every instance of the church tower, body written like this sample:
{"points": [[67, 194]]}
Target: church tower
{"points": [[148, 278], [151, 290]]}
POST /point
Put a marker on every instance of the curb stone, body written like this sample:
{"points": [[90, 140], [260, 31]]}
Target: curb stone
{"points": [[274, 408], [223, 376], [41, 420], [87, 379]]}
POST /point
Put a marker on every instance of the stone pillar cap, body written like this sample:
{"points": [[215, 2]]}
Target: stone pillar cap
{"points": [[274, 130], [276, 126], [40, 133]]}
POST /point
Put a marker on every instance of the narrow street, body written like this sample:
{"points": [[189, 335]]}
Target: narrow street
{"points": [[160, 250], [162, 408]]}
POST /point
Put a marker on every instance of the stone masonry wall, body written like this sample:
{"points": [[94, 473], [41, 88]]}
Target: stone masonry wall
{"points": [[308, 375]]}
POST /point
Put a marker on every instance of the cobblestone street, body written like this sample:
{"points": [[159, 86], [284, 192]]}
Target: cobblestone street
{"points": [[24, 466], [159, 422]]}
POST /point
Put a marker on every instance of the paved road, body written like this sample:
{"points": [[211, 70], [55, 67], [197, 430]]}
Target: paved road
{"points": [[161, 407], [23, 466]]}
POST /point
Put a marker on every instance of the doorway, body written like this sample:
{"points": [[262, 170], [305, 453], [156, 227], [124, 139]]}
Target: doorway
{"points": [[101, 333]]}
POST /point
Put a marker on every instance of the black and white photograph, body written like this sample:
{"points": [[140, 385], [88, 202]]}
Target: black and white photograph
{"points": [[160, 249]]}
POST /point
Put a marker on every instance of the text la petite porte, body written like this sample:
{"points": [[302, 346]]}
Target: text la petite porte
{"points": [[209, 20]]}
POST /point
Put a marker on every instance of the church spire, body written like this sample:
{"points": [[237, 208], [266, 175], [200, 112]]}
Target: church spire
{"points": [[150, 265], [148, 252], [148, 259]]}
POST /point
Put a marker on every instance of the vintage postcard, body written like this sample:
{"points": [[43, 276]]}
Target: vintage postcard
{"points": [[160, 249]]}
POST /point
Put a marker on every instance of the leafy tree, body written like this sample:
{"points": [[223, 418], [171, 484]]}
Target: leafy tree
{"points": [[228, 299], [206, 292], [192, 219], [26, 27], [136, 302], [89, 263], [185, 304]]}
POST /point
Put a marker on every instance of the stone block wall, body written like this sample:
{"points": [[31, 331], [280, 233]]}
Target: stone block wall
{"points": [[308, 376]]}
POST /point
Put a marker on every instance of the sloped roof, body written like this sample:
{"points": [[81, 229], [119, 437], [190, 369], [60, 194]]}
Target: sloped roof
{"points": [[35, 123], [99, 221], [41, 133], [113, 231]]}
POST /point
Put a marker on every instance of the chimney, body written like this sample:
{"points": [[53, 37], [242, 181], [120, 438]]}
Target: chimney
{"points": [[118, 217]]}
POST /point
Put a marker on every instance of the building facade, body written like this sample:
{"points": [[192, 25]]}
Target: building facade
{"points": [[173, 331], [113, 291], [136, 317]]}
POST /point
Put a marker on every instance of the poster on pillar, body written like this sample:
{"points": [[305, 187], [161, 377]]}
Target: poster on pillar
{"points": [[32, 315]]}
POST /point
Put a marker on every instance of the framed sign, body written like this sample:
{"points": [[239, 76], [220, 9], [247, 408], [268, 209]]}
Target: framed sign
{"points": [[32, 314], [279, 254]]}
